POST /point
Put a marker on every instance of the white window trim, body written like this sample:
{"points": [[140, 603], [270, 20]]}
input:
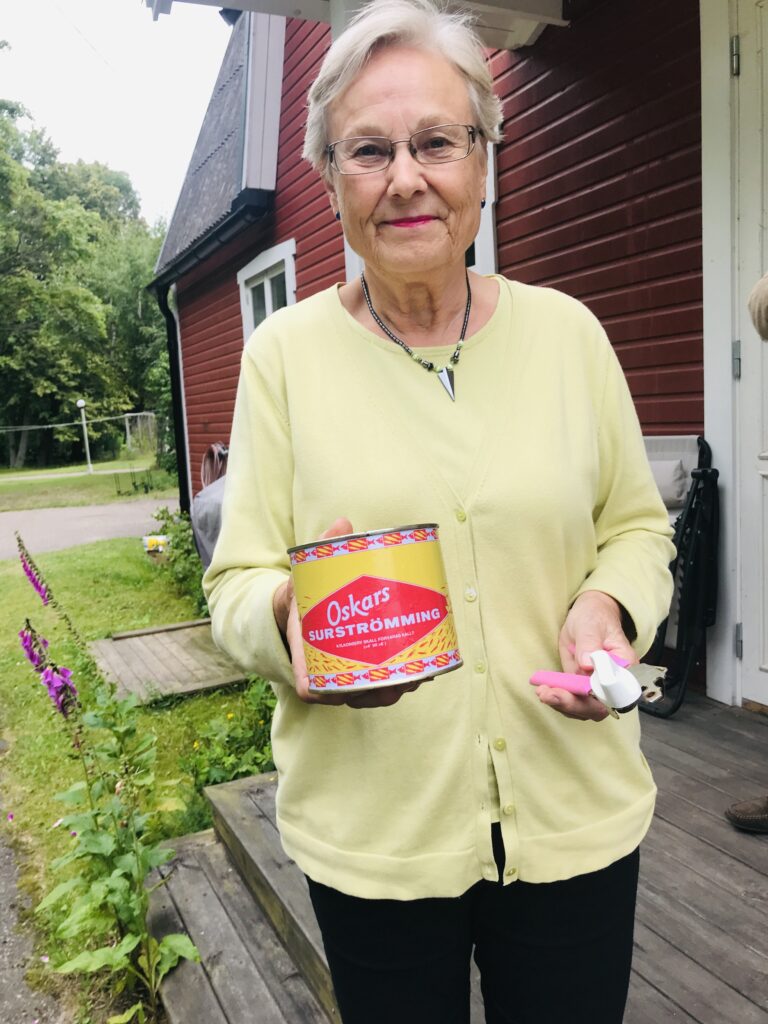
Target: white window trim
{"points": [[486, 254], [284, 253]]}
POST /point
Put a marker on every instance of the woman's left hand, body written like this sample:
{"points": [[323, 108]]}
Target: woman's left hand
{"points": [[592, 624]]}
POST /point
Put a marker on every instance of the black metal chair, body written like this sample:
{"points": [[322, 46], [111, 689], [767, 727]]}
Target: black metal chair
{"points": [[680, 638]]}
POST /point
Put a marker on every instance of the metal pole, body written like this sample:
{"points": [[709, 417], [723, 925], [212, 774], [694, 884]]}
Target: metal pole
{"points": [[85, 440]]}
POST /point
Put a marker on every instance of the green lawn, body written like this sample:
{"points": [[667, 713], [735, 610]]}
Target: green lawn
{"points": [[94, 489], [105, 587], [138, 461]]}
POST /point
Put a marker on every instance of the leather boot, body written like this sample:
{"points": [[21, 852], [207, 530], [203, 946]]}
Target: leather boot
{"points": [[749, 815]]}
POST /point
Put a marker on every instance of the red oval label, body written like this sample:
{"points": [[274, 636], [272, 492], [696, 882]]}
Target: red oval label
{"points": [[371, 620]]}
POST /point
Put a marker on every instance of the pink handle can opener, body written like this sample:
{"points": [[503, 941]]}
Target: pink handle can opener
{"points": [[612, 682]]}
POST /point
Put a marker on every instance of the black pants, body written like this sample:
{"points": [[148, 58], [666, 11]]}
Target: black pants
{"points": [[554, 953]]}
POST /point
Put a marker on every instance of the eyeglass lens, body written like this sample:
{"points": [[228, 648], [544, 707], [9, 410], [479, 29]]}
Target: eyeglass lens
{"points": [[440, 144]]}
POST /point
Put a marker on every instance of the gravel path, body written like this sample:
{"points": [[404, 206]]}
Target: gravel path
{"points": [[53, 529], [18, 1003]]}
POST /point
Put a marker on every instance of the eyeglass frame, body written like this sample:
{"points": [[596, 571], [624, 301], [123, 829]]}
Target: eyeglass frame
{"points": [[472, 130]]}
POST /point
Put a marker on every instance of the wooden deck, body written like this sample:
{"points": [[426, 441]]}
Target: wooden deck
{"points": [[701, 940], [165, 661]]}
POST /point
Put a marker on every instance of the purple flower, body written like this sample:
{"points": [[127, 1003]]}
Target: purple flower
{"points": [[34, 579], [9, 817], [35, 647], [60, 687]]}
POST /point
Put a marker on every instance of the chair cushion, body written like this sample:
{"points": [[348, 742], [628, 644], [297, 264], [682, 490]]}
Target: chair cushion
{"points": [[671, 479]]}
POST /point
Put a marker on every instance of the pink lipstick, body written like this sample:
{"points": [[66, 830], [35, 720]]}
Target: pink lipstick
{"points": [[410, 222]]}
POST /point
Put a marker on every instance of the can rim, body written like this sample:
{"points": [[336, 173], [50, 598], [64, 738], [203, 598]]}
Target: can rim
{"points": [[426, 677], [367, 533]]}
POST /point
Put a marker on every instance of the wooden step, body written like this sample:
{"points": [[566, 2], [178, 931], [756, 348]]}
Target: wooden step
{"points": [[244, 818], [246, 976]]}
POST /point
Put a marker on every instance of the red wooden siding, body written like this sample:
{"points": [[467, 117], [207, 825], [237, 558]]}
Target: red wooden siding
{"points": [[302, 210], [599, 184], [209, 299]]}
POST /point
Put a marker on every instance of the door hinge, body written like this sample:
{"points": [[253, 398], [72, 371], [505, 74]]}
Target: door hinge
{"points": [[735, 56], [738, 640], [736, 359]]}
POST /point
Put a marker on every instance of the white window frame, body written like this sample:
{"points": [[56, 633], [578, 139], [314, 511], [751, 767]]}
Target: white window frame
{"points": [[486, 252], [261, 268]]}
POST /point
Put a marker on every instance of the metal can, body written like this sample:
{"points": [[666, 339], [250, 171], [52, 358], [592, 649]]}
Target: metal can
{"points": [[374, 609]]}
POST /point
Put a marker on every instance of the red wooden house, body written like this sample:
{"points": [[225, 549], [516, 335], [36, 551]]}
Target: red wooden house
{"points": [[625, 168]]}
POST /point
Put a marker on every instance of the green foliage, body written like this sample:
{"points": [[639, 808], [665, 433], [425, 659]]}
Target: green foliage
{"points": [[236, 745], [183, 562], [114, 818], [75, 320]]}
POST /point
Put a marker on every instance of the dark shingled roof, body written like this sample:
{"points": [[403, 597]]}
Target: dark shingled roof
{"points": [[214, 176]]}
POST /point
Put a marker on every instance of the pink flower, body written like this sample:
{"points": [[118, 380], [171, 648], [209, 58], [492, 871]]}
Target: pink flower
{"points": [[61, 689], [9, 817]]}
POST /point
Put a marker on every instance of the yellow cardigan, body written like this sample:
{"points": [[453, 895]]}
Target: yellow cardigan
{"points": [[538, 479]]}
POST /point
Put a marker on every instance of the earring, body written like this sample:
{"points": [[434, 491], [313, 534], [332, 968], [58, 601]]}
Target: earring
{"points": [[482, 204], [338, 215]]}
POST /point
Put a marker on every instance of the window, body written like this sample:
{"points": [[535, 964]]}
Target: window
{"points": [[267, 283]]}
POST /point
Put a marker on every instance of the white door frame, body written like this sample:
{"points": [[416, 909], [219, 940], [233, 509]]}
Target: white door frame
{"points": [[720, 390]]}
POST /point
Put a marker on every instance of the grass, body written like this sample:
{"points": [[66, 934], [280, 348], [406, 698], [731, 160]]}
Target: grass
{"points": [[95, 489], [104, 587], [138, 461]]}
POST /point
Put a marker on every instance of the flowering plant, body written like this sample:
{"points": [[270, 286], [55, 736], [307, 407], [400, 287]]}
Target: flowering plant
{"points": [[114, 822]]}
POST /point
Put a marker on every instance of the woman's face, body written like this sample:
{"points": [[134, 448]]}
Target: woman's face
{"points": [[408, 218]]}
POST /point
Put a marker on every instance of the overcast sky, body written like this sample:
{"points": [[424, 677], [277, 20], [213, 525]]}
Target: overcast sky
{"points": [[110, 84]]}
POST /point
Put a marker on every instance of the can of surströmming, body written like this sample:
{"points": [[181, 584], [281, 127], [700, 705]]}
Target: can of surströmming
{"points": [[374, 609]]}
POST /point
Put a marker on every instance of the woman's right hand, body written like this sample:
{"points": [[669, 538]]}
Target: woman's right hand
{"points": [[286, 614]]}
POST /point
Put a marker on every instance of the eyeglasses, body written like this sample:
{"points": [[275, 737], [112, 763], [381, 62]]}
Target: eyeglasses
{"points": [[431, 146]]}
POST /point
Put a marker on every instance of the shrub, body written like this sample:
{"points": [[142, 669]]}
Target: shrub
{"points": [[183, 562]]}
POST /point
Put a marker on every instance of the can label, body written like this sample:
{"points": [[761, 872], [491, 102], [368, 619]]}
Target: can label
{"points": [[374, 609]]}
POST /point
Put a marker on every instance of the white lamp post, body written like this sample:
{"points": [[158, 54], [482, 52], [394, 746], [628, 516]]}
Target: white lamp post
{"points": [[81, 407]]}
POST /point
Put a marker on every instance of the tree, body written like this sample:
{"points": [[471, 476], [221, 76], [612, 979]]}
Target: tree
{"points": [[75, 320]]}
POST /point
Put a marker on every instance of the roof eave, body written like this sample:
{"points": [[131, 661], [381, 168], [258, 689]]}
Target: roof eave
{"points": [[251, 205]]}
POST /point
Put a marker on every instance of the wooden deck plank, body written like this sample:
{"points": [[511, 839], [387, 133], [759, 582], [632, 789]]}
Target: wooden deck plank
{"points": [[746, 756], [662, 872], [280, 973], [698, 767], [239, 986], [646, 1005], [275, 880], [154, 663], [732, 962], [696, 990], [706, 796], [117, 670], [741, 881], [186, 991], [715, 831]]}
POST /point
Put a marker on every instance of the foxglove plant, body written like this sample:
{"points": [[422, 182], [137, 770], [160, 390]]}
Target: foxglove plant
{"points": [[42, 588], [114, 823]]}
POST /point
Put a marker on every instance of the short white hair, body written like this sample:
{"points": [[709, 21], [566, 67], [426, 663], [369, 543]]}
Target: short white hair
{"points": [[428, 24]]}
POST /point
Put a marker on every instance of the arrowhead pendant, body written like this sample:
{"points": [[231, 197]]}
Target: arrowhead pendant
{"points": [[446, 379]]}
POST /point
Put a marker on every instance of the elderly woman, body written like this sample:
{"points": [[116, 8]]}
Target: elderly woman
{"points": [[473, 814]]}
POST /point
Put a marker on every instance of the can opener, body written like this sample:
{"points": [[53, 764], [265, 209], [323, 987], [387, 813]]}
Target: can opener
{"points": [[613, 682]]}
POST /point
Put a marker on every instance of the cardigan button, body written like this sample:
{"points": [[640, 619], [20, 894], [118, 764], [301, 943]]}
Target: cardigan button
{"points": [[461, 515], [508, 809], [500, 743], [470, 594]]}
